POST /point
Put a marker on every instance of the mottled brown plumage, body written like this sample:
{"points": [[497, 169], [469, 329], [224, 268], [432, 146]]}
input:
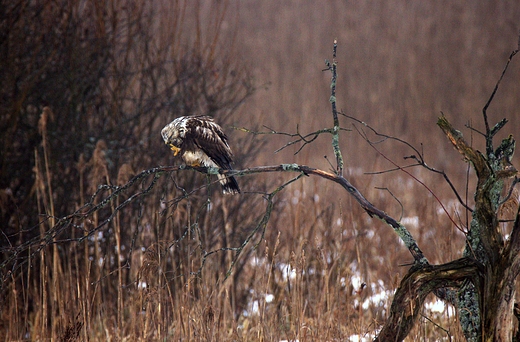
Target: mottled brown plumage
{"points": [[201, 142]]}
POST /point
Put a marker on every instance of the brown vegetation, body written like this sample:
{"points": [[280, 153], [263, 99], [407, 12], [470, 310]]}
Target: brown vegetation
{"points": [[87, 88]]}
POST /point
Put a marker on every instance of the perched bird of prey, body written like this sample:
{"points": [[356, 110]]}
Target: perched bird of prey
{"points": [[201, 142]]}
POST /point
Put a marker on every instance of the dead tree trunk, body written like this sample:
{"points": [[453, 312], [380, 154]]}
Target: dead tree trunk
{"points": [[420, 281], [486, 312], [484, 279], [482, 283]]}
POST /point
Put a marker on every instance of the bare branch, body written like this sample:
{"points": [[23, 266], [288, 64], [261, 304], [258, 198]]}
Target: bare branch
{"points": [[471, 128], [491, 132], [262, 224], [462, 146], [371, 144], [510, 191], [304, 139], [396, 199], [446, 178], [371, 210], [335, 134], [419, 157]]}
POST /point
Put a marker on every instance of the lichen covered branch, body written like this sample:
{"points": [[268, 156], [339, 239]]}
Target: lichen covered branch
{"points": [[336, 129], [415, 286]]}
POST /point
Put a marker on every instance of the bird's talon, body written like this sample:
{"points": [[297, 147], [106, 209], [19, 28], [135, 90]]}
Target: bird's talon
{"points": [[175, 149]]}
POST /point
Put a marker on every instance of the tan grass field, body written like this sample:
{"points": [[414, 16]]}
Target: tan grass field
{"points": [[179, 262]]}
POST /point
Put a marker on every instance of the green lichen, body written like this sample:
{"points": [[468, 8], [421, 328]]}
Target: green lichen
{"points": [[290, 167], [213, 170]]}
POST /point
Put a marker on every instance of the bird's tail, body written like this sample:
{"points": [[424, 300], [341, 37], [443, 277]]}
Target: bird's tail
{"points": [[229, 185]]}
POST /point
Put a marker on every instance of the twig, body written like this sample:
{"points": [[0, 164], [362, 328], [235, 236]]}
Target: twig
{"points": [[369, 208], [437, 325], [261, 225], [363, 134], [396, 199], [491, 132], [304, 139], [510, 191], [66, 222], [418, 156]]}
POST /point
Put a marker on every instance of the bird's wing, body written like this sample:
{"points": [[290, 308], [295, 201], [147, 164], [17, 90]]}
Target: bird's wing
{"points": [[210, 138]]}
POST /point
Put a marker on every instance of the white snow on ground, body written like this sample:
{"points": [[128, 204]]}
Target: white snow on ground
{"points": [[411, 221], [438, 306], [381, 297], [359, 338], [287, 271], [356, 281], [253, 308]]}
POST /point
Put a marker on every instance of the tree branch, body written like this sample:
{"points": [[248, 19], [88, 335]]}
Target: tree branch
{"points": [[304, 139], [370, 209], [418, 156], [372, 144], [491, 132], [335, 135], [415, 286], [476, 158], [514, 244]]}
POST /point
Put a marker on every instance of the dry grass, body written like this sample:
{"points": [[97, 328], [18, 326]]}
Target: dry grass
{"points": [[157, 270], [150, 274]]}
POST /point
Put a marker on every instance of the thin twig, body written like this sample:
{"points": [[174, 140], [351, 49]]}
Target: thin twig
{"points": [[304, 139], [419, 158], [490, 133], [516, 180], [396, 199]]}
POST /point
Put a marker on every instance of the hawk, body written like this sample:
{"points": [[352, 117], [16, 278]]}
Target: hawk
{"points": [[201, 142]]}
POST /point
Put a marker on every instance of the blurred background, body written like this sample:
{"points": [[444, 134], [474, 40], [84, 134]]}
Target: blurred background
{"points": [[401, 64], [112, 75]]}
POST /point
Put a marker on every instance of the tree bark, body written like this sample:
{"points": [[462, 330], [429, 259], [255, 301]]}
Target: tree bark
{"points": [[420, 281], [492, 320]]}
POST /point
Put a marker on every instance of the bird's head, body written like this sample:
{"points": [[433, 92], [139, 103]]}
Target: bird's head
{"points": [[173, 134]]}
